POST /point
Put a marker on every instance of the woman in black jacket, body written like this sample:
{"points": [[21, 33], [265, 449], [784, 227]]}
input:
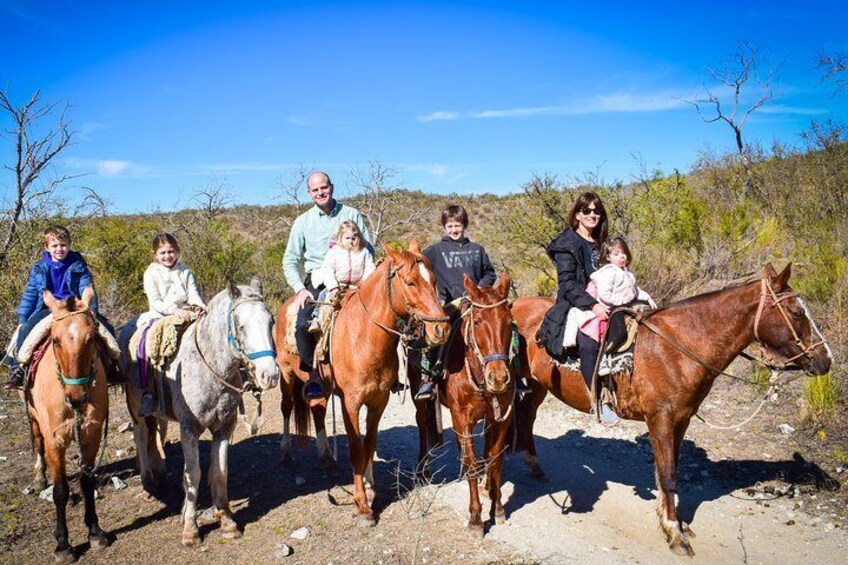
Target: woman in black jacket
{"points": [[575, 253]]}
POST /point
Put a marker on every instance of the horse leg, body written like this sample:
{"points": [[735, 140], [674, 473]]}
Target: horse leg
{"points": [[422, 419], [464, 429], [97, 538], [40, 479], [664, 436], [159, 432], [325, 454], [191, 482], [56, 461], [528, 407], [218, 482], [495, 446], [364, 514], [142, 439], [286, 406]]}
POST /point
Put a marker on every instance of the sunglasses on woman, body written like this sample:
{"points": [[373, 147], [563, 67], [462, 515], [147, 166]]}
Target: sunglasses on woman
{"points": [[596, 211]]}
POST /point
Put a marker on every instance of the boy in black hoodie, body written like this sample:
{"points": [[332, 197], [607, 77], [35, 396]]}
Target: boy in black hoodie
{"points": [[452, 258]]}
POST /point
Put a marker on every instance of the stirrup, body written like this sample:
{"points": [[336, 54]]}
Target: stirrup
{"points": [[313, 390], [425, 391]]}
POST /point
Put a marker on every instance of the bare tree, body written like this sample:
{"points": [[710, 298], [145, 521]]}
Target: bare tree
{"points": [[738, 72], [212, 198], [382, 199], [34, 151], [835, 66], [291, 189]]}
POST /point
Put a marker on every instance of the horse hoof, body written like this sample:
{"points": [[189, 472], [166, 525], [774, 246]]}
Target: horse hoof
{"points": [[365, 520], [682, 547], [190, 539], [687, 530], [500, 518], [475, 531], [99, 541], [231, 533], [65, 556]]}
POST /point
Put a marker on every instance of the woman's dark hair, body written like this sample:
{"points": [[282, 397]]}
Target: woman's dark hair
{"points": [[163, 238], [455, 213], [609, 245], [583, 202]]}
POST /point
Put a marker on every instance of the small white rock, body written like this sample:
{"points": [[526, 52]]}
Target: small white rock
{"points": [[47, 494], [125, 427], [96, 494], [118, 483], [3, 458], [300, 533], [283, 550], [785, 429], [120, 453], [299, 481], [28, 490]]}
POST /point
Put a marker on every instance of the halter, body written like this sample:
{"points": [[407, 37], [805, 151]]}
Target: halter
{"points": [[405, 337], [483, 360], [62, 376], [234, 341], [767, 291]]}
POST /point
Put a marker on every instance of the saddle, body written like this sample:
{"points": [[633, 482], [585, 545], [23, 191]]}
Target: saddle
{"points": [[327, 319], [161, 340]]}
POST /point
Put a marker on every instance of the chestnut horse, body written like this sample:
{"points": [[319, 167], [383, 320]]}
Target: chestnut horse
{"points": [[363, 353], [68, 401], [680, 350], [477, 386]]}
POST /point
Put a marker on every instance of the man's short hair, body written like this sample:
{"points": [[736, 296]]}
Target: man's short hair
{"points": [[455, 213], [57, 232]]}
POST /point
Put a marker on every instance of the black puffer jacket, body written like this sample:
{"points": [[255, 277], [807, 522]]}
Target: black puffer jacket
{"points": [[568, 253]]}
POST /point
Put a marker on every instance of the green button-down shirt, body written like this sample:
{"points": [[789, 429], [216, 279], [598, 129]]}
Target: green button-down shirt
{"points": [[310, 237]]}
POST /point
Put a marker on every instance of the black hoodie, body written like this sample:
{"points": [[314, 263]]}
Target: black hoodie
{"points": [[450, 260]]}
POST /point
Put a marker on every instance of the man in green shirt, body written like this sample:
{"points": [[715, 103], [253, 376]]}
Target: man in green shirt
{"points": [[309, 241]]}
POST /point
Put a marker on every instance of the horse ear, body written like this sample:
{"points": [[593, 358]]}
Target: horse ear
{"points": [[469, 286], [233, 290], [768, 270], [780, 281], [390, 252], [87, 297], [503, 284], [256, 284], [50, 301], [414, 246]]}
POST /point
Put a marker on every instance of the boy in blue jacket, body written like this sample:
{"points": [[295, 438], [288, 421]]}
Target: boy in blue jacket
{"points": [[61, 271]]}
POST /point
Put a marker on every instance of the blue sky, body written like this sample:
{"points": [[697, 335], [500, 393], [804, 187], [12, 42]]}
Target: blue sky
{"points": [[459, 97]]}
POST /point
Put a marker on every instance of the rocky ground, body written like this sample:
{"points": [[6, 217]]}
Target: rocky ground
{"points": [[752, 496]]}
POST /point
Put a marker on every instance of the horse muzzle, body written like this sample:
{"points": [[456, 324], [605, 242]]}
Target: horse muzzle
{"points": [[77, 400], [819, 365], [267, 374], [497, 379], [436, 333]]}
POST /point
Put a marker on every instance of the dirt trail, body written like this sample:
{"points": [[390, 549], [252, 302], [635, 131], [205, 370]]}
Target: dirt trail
{"points": [[599, 502]]}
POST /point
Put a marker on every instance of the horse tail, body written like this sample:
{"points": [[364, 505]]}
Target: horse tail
{"points": [[301, 412]]}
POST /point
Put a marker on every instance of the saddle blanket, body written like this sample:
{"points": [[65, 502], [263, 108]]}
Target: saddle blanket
{"points": [[162, 340], [42, 330], [610, 364]]}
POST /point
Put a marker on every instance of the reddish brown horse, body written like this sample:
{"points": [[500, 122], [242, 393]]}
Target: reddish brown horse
{"points": [[680, 350], [363, 358], [477, 386], [69, 401]]}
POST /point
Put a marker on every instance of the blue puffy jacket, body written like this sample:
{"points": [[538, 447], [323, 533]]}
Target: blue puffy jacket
{"points": [[77, 278]]}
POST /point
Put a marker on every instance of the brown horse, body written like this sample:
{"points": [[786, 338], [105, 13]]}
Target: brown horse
{"points": [[363, 359], [68, 401], [477, 386], [680, 350]]}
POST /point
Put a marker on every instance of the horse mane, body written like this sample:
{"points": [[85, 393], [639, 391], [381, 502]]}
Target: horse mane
{"points": [[744, 280]]}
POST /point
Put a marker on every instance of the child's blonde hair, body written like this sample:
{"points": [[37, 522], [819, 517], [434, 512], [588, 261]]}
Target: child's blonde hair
{"points": [[347, 225], [57, 232]]}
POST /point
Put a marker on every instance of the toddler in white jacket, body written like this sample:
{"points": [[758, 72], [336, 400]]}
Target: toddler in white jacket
{"points": [[348, 263]]}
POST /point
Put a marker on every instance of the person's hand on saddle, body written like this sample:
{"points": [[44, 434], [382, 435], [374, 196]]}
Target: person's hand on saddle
{"points": [[185, 314], [601, 311], [302, 298], [333, 295], [652, 303]]}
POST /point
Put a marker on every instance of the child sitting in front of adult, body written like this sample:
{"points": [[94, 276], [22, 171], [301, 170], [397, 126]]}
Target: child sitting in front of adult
{"points": [[451, 258], [613, 284], [65, 274], [171, 289], [347, 263]]}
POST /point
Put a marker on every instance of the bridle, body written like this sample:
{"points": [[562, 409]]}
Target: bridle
{"points": [[234, 340], [405, 336], [767, 292], [84, 380], [470, 339]]}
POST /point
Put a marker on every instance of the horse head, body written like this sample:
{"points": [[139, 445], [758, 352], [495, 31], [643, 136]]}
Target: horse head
{"points": [[488, 330], [785, 327], [73, 338], [409, 271], [250, 325]]}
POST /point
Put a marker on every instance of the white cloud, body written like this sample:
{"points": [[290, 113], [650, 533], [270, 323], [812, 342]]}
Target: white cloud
{"points": [[797, 110], [440, 116], [112, 168], [87, 129], [599, 104]]}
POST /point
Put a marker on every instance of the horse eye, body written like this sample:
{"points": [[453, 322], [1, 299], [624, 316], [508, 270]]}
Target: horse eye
{"points": [[56, 342]]}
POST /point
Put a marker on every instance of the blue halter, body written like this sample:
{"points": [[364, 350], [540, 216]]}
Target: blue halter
{"points": [[231, 338]]}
